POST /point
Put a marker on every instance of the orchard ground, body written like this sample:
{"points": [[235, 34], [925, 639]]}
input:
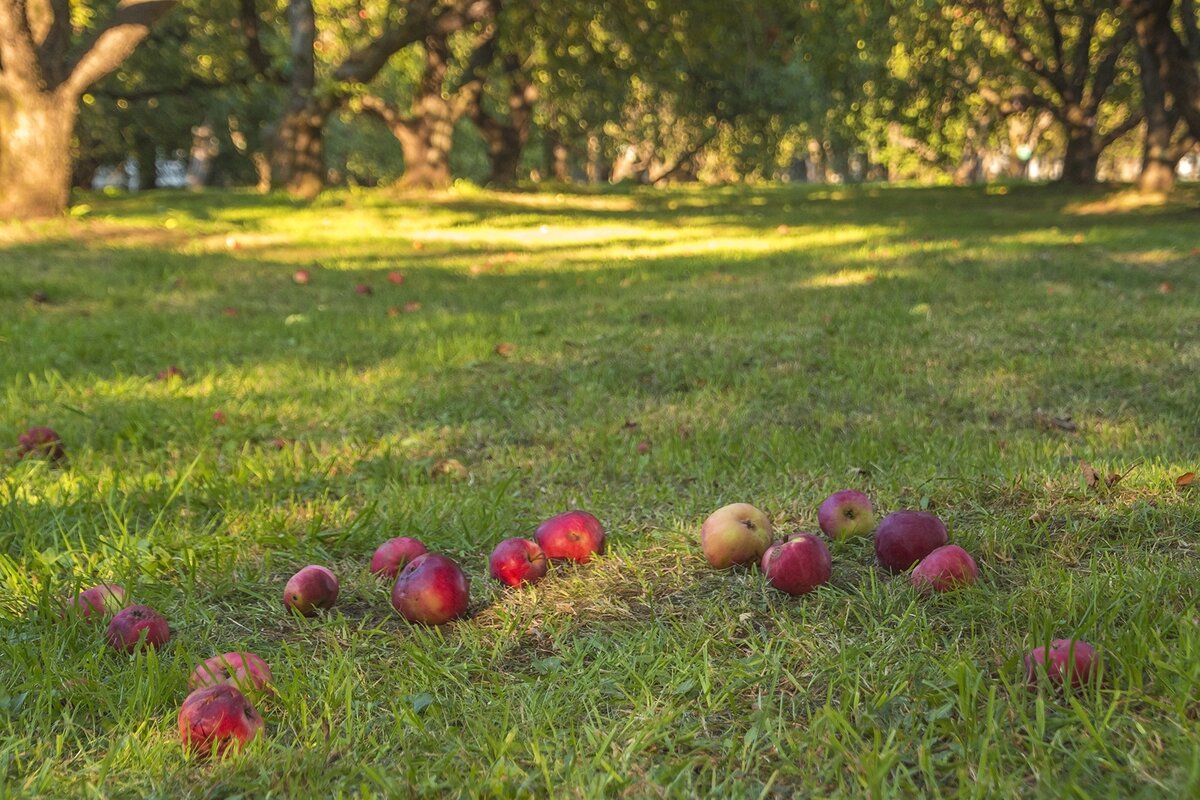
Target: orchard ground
{"points": [[647, 356]]}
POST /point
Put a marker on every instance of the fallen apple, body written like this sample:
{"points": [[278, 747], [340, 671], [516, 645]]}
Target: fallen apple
{"points": [[517, 561], [735, 534], [301, 277], [99, 601], [246, 671], [364, 289], [905, 537], [846, 513], [217, 718], [391, 556], [137, 624], [311, 589], [432, 590], [395, 277], [798, 565], [572, 536], [41, 442], [1066, 660], [946, 568]]}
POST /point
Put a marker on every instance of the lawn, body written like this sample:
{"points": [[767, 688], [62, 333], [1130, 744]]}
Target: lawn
{"points": [[648, 356]]}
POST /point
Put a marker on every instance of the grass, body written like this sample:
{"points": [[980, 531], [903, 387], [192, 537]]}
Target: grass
{"points": [[926, 345]]}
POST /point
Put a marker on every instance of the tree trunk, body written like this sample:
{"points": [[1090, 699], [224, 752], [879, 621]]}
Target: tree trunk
{"points": [[1081, 158], [1160, 151], [35, 155], [426, 141], [298, 157], [556, 157]]}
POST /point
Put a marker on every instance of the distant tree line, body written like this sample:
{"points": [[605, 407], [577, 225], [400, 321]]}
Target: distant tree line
{"points": [[298, 94]]}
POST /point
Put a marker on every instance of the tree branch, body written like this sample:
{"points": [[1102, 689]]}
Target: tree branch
{"points": [[1081, 55], [248, 17], [1106, 69], [125, 31], [1056, 34], [17, 49], [995, 13], [1135, 119]]}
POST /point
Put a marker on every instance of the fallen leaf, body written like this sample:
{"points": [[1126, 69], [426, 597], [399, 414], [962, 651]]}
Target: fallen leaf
{"points": [[1165, 287], [411, 307], [1090, 476], [41, 298], [1050, 422], [630, 424], [1113, 479], [450, 467], [393, 312], [418, 245], [364, 289], [504, 349], [230, 311], [1185, 479]]}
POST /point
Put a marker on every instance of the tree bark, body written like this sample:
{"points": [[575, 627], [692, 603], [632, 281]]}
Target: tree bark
{"points": [[1177, 59], [1081, 158], [35, 155], [556, 157], [298, 155]]}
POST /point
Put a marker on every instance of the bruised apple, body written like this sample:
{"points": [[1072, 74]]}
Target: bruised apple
{"points": [[246, 671], [432, 590], [136, 624], [217, 718]]}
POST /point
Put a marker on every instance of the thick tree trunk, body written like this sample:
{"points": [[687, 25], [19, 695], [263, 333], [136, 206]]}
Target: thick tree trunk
{"points": [[426, 141], [298, 157], [1161, 151], [556, 157], [35, 155], [1082, 157]]}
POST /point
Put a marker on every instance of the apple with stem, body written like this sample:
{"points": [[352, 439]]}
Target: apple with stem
{"points": [[516, 561], [572, 536], [735, 534], [798, 565], [845, 514]]}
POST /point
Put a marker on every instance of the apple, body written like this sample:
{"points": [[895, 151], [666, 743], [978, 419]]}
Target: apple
{"points": [[301, 277], [126, 629], [799, 565], [573, 536], [432, 589], [391, 556], [246, 671], [735, 534], [1065, 658], [846, 513], [40, 441], [516, 561], [99, 601], [905, 537], [396, 277], [310, 589], [946, 568], [364, 289], [216, 718]]}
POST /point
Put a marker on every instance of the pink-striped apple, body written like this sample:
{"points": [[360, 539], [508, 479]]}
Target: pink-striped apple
{"points": [[137, 624], [846, 513], [246, 671], [735, 534], [99, 601], [1066, 660], [310, 590]]}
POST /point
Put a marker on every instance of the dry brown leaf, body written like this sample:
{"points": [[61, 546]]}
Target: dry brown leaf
{"points": [[504, 349], [1051, 422], [1089, 474], [1185, 479], [450, 467]]}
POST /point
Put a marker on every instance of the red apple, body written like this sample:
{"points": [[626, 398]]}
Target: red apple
{"points": [[391, 556], [946, 568], [517, 561], [799, 565], [396, 277], [364, 289], [127, 627], [846, 513], [311, 589], [99, 601], [41, 442], [217, 718], [905, 537], [735, 534], [432, 589], [574, 536], [301, 277], [246, 671], [1066, 658]]}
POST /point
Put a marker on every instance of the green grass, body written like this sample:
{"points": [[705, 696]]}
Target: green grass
{"points": [[911, 342]]}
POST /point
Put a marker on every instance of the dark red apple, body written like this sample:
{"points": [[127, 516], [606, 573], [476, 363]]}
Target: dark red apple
{"points": [[135, 624], [246, 671], [432, 589], [946, 568], [41, 442], [799, 565], [364, 289], [735, 534], [311, 589], [905, 537], [391, 556], [1066, 659], [99, 601], [846, 513], [516, 561], [217, 718], [573, 536]]}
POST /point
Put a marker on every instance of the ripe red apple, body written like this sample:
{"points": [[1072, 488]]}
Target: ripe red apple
{"points": [[846, 513], [517, 561], [246, 671], [946, 568], [99, 601], [301, 277], [574, 536], [217, 718], [391, 556], [735, 534], [799, 565], [905, 537], [432, 589], [41, 442], [310, 589], [1066, 659], [126, 628], [396, 277]]}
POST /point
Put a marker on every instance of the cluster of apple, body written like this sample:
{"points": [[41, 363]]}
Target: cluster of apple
{"points": [[740, 534]]}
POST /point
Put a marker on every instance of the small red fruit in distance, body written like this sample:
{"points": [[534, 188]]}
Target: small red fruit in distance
{"points": [[516, 561], [946, 568], [799, 565], [41, 442], [99, 601], [1065, 659], [301, 277], [136, 624], [364, 289], [392, 556], [432, 590], [311, 589], [396, 278], [245, 671], [905, 537], [217, 718], [574, 536]]}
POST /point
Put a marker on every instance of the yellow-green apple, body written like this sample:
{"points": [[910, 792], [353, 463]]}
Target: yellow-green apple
{"points": [[573, 536], [311, 589], [846, 513], [1065, 660], [946, 568], [516, 561], [735, 534], [136, 624], [798, 565], [246, 671], [41, 442], [432, 589], [217, 718], [391, 556], [99, 601], [905, 537]]}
